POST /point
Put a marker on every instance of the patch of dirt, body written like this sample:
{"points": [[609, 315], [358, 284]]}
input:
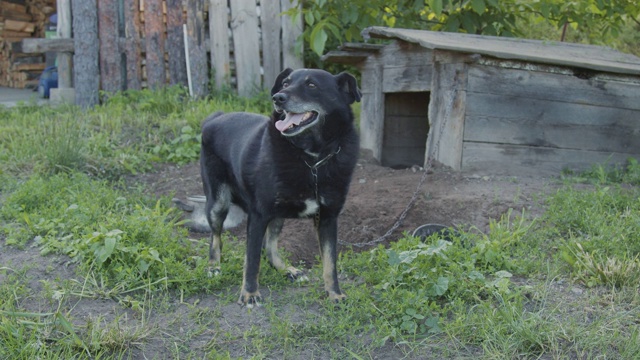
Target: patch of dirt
{"points": [[377, 197]]}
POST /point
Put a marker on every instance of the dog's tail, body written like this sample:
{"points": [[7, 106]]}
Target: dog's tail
{"points": [[211, 117]]}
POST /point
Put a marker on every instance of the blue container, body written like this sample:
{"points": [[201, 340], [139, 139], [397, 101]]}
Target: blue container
{"points": [[48, 80]]}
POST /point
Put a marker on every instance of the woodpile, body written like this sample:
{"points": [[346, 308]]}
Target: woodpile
{"points": [[20, 19]]}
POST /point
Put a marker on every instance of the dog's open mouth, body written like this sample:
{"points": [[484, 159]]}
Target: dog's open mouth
{"points": [[294, 122]]}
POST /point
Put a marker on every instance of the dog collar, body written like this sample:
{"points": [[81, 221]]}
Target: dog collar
{"points": [[323, 161], [314, 173]]}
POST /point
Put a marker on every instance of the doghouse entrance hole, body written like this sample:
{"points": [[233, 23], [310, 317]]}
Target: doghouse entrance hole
{"points": [[406, 126]]}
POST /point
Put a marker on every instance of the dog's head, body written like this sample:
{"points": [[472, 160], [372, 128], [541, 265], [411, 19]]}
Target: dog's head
{"points": [[303, 98]]}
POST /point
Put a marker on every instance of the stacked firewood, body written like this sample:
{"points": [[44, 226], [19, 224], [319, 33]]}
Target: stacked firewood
{"points": [[20, 19]]}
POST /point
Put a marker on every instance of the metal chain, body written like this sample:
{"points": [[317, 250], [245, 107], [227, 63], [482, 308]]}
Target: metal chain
{"points": [[414, 197]]}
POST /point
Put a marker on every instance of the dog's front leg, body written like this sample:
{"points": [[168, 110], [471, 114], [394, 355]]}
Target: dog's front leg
{"points": [[327, 229], [249, 294], [271, 249]]}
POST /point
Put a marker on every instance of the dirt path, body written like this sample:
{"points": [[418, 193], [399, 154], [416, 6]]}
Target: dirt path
{"points": [[378, 195]]}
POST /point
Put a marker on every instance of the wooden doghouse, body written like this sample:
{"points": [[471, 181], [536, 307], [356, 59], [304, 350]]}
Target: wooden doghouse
{"points": [[499, 105]]}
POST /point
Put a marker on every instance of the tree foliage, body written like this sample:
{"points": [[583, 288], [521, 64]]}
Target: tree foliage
{"points": [[329, 23]]}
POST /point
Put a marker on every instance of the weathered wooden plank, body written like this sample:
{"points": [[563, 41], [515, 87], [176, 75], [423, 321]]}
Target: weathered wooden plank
{"points": [[86, 74], [372, 125], [39, 45], [446, 114], [270, 25], [291, 48], [64, 57], [525, 121], [175, 43], [109, 55], [345, 57], [219, 39], [404, 54], [246, 45], [554, 86], [154, 39], [197, 51], [130, 45], [407, 67], [409, 78], [505, 159], [547, 52]]}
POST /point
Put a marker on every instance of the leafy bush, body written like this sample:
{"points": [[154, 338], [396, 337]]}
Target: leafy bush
{"points": [[330, 23]]}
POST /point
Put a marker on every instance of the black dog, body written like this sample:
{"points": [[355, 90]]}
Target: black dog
{"points": [[296, 164]]}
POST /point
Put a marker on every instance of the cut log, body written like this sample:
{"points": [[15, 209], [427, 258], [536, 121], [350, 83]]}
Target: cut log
{"points": [[15, 25]]}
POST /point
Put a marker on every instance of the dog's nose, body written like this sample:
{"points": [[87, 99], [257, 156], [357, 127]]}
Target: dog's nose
{"points": [[280, 98]]}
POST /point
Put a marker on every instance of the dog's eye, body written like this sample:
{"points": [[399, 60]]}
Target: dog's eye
{"points": [[311, 85], [285, 84]]}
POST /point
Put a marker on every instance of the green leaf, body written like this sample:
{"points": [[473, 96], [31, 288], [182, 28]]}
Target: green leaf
{"points": [[318, 40], [503, 274], [105, 251], [309, 18], [407, 257], [436, 6], [440, 287], [478, 6], [394, 259]]}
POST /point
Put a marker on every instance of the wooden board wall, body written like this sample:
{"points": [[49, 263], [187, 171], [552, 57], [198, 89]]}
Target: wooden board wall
{"points": [[521, 117]]}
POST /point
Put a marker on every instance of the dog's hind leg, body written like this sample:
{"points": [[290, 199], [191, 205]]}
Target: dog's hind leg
{"points": [[271, 250], [216, 210], [328, 236]]}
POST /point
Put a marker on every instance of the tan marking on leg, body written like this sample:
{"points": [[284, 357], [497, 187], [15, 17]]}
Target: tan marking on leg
{"points": [[327, 275], [273, 255], [248, 299], [214, 255]]}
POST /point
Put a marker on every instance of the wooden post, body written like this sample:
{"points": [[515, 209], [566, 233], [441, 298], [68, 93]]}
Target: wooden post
{"points": [[175, 43], [372, 126], [290, 33], [271, 44], [197, 51], [246, 46], [110, 76], [154, 39], [63, 31], [131, 46], [447, 109], [219, 38], [86, 75]]}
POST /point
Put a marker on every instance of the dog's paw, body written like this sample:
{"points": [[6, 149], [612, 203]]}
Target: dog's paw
{"points": [[296, 275], [335, 297], [213, 271], [250, 300]]}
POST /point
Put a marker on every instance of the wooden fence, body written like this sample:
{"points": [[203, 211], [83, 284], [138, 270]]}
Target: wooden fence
{"points": [[249, 42], [126, 44]]}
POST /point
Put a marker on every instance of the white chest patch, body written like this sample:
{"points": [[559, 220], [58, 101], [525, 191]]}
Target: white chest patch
{"points": [[311, 207]]}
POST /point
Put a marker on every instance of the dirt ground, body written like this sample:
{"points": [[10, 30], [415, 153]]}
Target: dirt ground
{"points": [[377, 197]]}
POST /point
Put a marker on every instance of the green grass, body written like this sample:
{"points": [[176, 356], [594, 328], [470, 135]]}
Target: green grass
{"points": [[562, 285]]}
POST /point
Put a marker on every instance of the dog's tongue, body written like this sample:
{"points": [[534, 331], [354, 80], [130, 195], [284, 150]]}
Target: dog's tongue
{"points": [[290, 119]]}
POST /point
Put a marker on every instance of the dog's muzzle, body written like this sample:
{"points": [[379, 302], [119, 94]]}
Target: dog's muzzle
{"points": [[293, 122]]}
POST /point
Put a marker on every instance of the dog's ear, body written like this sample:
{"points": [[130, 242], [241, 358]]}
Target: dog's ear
{"points": [[277, 85], [348, 85]]}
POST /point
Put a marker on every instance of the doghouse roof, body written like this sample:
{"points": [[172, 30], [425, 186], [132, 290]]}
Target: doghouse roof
{"points": [[548, 52]]}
